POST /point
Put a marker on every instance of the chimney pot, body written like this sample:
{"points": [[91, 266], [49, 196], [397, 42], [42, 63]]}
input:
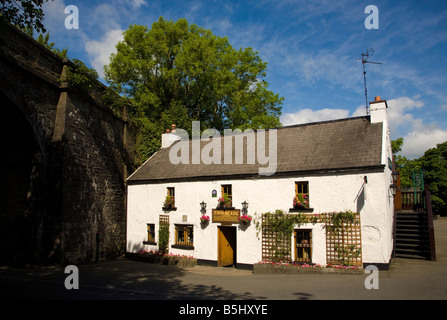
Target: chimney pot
{"points": [[169, 137], [378, 110]]}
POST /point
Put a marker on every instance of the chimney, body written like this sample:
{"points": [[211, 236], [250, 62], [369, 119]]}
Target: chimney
{"points": [[169, 137], [378, 110], [378, 114]]}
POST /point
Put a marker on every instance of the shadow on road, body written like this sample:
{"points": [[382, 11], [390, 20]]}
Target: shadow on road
{"points": [[118, 279]]}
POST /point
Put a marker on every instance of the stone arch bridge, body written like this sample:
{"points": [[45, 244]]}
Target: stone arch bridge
{"points": [[64, 158]]}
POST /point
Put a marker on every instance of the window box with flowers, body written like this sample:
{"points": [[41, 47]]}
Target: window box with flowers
{"points": [[224, 203], [169, 204], [301, 204]]}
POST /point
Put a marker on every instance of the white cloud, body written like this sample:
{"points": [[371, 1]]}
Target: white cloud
{"points": [[54, 14], [99, 51], [360, 111], [399, 109], [419, 140], [104, 18], [136, 4], [418, 135], [309, 115]]}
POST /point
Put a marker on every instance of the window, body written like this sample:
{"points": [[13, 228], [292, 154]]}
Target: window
{"points": [[151, 232], [227, 190], [184, 236], [171, 192], [301, 200], [302, 188], [303, 245], [169, 202], [227, 197]]}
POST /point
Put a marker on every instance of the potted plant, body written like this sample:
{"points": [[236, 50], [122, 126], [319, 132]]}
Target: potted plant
{"points": [[220, 203], [227, 201], [224, 202], [245, 219], [204, 219], [301, 201]]}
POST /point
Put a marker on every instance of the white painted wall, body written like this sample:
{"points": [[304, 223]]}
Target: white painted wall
{"points": [[327, 193]]}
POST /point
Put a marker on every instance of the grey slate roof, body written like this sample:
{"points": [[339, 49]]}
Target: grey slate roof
{"points": [[338, 145]]}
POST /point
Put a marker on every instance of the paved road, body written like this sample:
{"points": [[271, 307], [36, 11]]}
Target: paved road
{"points": [[123, 279]]}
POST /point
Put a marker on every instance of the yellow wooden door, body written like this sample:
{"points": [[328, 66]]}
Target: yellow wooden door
{"points": [[226, 246]]}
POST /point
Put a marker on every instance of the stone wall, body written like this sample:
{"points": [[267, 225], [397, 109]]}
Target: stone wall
{"points": [[75, 154], [94, 172]]}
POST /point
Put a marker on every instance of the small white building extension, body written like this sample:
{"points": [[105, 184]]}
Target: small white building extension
{"points": [[337, 165]]}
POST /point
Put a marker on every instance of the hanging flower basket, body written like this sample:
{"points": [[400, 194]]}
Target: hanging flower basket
{"points": [[245, 219], [204, 219]]}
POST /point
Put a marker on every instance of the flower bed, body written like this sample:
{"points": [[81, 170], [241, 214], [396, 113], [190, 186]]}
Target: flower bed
{"points": [[165, 259], [292, 267]]}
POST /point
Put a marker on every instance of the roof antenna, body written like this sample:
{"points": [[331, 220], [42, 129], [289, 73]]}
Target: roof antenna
{"points": [[365, 56]]}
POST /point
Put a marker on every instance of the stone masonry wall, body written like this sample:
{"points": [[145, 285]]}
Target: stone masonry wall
{"points": [[79, 156], [94, 189]]}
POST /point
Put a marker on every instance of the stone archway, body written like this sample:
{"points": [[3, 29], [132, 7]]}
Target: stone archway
{"points": [[21, 186]]}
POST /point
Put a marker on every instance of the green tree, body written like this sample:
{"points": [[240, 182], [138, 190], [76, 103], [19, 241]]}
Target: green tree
{"points": [[176, 72], [44, 40], [396, 145], [434, 164], [404, 165], [23, 13]]}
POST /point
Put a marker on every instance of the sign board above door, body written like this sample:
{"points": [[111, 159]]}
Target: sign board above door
{"points": [[226, 216]]}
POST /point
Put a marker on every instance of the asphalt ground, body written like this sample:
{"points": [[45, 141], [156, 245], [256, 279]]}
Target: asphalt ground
{"points": [[123, 279]]}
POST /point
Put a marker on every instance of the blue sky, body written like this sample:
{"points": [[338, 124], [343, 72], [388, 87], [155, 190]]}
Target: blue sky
{"points": [[311, 48]]}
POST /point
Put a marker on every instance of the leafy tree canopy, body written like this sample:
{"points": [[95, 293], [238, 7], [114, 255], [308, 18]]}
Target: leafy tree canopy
{"points": [[404, 165], [176, 72], [23, 13], [434, 165]]}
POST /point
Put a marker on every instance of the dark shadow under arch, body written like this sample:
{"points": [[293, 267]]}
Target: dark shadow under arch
{"points": [[22, 179]]}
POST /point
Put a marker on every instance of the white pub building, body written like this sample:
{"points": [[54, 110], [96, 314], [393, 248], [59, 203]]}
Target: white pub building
{"points": [[309, 169]]}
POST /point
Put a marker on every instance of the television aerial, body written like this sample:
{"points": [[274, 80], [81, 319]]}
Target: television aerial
{"points": [[365, 59]]}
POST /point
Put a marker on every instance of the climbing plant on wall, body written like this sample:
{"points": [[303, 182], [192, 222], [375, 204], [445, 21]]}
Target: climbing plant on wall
{"points": [[163, 234], [277, 229], [343, 238]]}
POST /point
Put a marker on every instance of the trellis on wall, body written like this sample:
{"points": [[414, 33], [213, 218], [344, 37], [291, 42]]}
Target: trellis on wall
{"points": [[275, 246], [164, 220], [343, 236], [163, 233], [343, 239]]}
